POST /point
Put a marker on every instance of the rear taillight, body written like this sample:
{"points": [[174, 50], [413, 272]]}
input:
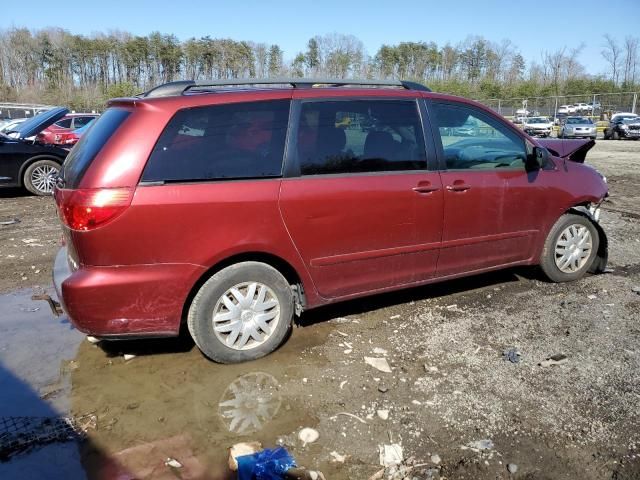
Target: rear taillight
{"points": [[86, 209]]}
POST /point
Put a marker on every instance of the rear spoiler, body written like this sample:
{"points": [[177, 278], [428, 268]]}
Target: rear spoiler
{"points": [[574, 150]]}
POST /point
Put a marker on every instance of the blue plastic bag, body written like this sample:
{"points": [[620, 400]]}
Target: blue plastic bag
{"points": [[268, 464]]}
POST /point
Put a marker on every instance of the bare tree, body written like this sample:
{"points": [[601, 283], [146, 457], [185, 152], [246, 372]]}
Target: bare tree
{"points": [[630, 60], [612, 53]]}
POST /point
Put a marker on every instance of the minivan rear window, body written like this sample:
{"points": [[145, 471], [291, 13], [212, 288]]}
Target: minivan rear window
{"points": [[91, 142]]}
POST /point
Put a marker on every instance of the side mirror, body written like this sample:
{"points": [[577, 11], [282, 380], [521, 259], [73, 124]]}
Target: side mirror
{"points": [[538, 158]]}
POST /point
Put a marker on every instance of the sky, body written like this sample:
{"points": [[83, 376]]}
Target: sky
{"points": [[534, 27]]}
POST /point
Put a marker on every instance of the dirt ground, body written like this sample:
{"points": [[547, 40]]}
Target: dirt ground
{"points": [[454, 404]]}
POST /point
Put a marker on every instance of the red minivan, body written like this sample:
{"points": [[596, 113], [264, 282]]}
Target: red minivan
{"points": [[232, 206]]}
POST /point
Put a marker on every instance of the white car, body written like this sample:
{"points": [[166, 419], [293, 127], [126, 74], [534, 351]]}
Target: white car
{"points": [[11, 124], [583, 107], [537, 126], [522, 112]]}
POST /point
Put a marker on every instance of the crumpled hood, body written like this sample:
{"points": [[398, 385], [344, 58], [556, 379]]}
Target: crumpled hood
{"points": [[574, 150]]}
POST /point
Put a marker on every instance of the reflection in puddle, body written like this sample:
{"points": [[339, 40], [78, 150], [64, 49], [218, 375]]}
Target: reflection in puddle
{"points": [[249, 402]]}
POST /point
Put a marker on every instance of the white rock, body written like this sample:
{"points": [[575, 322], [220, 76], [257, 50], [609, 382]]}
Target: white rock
{"points": [[172, 462], [379, 351], [128, 356], [383, 414], [91, 339], [336, 457], [308, 435], [481, 444], [416, 402], [435, 458], [512, 467], [378, 363]]}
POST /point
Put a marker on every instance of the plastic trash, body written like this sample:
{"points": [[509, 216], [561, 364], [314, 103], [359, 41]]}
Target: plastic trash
{"points": [[269, 464]]}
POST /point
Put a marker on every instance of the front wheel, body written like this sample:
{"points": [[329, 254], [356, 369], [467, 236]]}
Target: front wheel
{"points": [[570, 248], [615, 135], [40, 177], [241, 313]]}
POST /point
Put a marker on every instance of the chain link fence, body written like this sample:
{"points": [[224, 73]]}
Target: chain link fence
{"points": [[599, 106]]}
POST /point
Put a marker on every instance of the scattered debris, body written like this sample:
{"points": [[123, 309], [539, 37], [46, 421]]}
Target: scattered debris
{"points": [[343, 383], [435, 458], [382, 388], [485, 444], [308, 435], [173, 463], [591, 297], [22, 434], [336, 457], [557, 359], [512, 467], [416, 402], [13, 221], [129, 356], [378, 475], [390, 455], [432, 369], [240, 449], [393, 317], [378, 363], [93, 340], [513, 355], [347, 414], [635, 290], [379, 351], [383, 414], [342, 334]]}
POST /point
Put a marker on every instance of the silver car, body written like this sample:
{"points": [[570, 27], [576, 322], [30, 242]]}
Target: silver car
{"points": [[578, 127]]}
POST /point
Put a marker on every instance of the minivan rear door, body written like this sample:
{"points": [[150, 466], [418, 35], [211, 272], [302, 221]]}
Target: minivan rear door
{"points": [[361, 206]]}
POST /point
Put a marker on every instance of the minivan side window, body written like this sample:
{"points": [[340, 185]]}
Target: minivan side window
{"points": [[471, 139], [359, 136], [217, 142]]}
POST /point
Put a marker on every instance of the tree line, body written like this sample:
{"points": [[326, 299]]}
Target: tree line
{"points": [[55, 66]]}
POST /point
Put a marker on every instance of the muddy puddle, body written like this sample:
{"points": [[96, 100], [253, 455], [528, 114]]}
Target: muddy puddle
{"points": [[166, 402]]}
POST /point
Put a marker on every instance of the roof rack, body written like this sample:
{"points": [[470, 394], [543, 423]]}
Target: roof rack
{"points": [[182, 86]]}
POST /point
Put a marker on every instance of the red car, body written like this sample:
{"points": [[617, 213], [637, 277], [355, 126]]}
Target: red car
{"points": [[234, 210], [57, 133]]}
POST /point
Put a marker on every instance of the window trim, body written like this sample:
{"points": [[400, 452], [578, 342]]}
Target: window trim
{"points": [[291, 167], [481, 113]]}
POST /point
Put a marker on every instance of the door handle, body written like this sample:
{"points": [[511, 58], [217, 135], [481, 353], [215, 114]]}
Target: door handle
{"points": [[425, 186], [425, 189], [458, 186]]}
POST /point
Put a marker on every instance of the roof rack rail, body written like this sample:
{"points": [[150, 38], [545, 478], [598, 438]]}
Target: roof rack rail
{"points": [[182, 86]]}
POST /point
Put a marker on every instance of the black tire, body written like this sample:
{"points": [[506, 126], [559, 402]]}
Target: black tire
{"points": [[548, 257], [33, 182], [592, 138], [605, 134], [207, 299], [615, 135]]}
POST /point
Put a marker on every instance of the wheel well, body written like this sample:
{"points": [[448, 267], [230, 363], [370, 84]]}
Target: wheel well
{"points": [[31, 160], [274, 261], [602, 257]]}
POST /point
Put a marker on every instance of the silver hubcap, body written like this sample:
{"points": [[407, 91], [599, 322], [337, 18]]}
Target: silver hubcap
{"points": [[249, 402], [246, 315], [43, 178], [573, 248]]}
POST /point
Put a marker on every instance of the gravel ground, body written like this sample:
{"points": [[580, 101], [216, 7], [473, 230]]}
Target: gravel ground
{"points": [[450, 392]]}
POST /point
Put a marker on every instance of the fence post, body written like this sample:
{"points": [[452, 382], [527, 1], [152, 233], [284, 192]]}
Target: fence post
{"points": [[499, 108], [635, 98]]}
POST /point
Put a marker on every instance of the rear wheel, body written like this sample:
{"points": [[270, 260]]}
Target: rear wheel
{"points": [[241, 313], [570, 248], [40, 177]]}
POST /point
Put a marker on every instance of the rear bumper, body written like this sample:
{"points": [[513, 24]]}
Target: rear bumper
{"points": [[124, 301]]}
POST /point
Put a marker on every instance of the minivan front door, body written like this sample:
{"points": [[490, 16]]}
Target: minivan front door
{"points": [[493, 207], [360, 205]]}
